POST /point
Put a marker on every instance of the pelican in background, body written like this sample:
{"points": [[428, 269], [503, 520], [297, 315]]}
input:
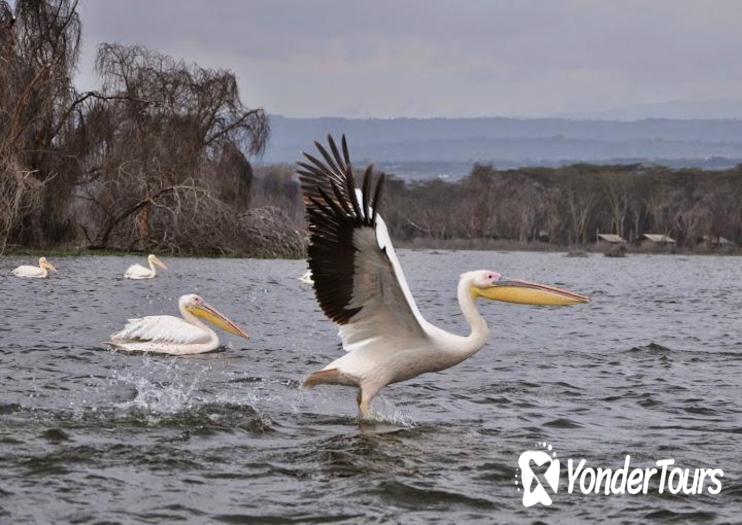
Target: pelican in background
{"points": [[359, 284], [37, 272], [137, 271], [306, 277], [165, 334]]}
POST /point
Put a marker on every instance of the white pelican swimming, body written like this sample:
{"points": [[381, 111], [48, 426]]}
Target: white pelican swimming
{"points": [[306, 277], [38, 272], [137, 271], [359, 284], [165, 334]]}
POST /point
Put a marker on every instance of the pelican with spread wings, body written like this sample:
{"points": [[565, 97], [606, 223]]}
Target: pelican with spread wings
{"points": [[359, 284], [165, 334]]}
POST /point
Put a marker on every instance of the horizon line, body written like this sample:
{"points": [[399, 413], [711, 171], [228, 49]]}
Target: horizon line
{"points": [[496, 117]]}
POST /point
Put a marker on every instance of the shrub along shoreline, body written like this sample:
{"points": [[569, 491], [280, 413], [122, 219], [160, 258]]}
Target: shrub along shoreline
{"points": [[558, 209], [528, 209]]}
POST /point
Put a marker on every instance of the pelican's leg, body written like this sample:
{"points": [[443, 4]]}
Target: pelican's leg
{"points": [[365, 394], [359, 399], [364, 409]]}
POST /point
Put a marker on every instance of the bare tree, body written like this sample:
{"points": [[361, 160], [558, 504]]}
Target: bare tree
{"points": [[39, 47], [616, 191], [161, 127], [581, 198]]}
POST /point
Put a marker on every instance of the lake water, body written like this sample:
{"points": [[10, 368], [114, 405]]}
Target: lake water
{"points": [[651, 368]]}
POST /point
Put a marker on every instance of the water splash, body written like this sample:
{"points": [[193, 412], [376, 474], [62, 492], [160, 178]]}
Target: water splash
{"points": [[386, 411], [162, 387]]}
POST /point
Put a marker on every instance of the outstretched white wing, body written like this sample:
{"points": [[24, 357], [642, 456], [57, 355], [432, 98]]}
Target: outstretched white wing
{"points": [[358, 280], [160, 329]]}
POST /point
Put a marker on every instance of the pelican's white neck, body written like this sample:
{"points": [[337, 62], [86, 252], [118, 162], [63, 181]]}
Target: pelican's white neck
{"points": [[152, 267], [42, 266], [192, 319], [479, 330]]}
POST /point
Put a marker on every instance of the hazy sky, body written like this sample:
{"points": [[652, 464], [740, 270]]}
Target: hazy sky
{"points": [[441, 58]]}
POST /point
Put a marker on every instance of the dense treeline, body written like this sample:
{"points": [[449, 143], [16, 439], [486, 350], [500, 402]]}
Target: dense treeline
{"points": [[155, 159], [569, 205], [563, 206]]}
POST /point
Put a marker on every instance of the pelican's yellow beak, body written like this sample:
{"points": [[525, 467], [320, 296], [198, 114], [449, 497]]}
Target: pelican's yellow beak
{"points": [[49, 266], [159, 263], [210, 314], [523, 292]]}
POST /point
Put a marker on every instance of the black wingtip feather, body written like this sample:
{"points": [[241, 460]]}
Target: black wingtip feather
{"points": [[344, 164], [339, 197], [330, 161], [345, 150]]}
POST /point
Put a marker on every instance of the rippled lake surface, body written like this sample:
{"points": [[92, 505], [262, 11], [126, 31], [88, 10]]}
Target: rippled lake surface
{"points": [[652, 368]]}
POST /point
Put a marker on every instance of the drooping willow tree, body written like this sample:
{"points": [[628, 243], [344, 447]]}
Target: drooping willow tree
{"points": [[39, 49], [161, 131]]}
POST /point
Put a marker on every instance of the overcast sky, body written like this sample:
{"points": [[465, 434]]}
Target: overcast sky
{"points": [[434, 58]]}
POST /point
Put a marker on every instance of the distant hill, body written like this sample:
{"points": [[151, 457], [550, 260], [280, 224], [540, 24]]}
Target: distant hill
{"points": [[677, 109], [711, 143]]}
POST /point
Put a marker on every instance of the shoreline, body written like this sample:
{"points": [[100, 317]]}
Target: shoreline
{"points": [[418, 244], [573, 250]]}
